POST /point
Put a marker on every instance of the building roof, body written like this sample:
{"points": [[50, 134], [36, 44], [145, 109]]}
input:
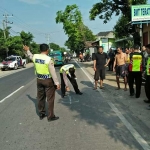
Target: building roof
{"points": [[104, 33], [88, 43]]}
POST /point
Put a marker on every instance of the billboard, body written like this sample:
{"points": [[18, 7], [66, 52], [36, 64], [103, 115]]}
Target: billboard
{"points": [[140, 12]]}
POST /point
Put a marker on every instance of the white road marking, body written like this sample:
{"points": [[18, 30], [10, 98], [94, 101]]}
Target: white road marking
{"points": [[136, 135], [70, 100], [11, 94]]}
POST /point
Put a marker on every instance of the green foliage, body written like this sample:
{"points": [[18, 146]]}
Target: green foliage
{"points": [[73, 26], [106, 8], [54, 46], [120, 29], [14, 44], [27, 38]]}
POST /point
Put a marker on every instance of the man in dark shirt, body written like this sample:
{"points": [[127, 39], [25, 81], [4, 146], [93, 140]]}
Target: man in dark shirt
{"points": [[99, 66]]}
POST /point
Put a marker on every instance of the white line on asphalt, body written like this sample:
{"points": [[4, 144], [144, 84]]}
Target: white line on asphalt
{"points": [[136, 135], [11, 94]]}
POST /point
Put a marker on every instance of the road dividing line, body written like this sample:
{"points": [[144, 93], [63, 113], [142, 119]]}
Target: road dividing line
{"points": [[135, 134], [11, 94]]}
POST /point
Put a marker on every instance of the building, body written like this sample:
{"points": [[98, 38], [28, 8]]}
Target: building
{"points": [[105, 39]]}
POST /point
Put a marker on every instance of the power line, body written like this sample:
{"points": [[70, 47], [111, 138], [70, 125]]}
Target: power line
{"points": [[28, 27]]}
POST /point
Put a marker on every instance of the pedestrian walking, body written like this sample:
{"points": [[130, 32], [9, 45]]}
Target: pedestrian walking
{"points": [[99, 66], [135, 71], [68, 71], [147, 73], [47, 81], [120, 68]]}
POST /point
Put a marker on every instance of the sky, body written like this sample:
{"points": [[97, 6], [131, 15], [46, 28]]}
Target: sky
{"points": [[38, 17]]}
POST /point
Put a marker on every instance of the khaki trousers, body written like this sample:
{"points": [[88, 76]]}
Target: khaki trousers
{"points": [[46, 89]]}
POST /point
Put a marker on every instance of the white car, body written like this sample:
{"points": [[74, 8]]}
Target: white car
{"points": [[13, 62]]}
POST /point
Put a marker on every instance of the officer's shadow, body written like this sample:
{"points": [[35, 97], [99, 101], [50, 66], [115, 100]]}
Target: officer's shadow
{"points": [[34, 100], [87, 83]]}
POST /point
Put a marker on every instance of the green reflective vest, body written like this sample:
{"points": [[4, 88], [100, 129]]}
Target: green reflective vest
{"points": [[66, 68], [41, 63], [148, 67]]}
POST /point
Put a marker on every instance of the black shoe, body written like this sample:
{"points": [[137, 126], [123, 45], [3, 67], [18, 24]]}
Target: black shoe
{"points": [[41, 116], [79, 93], [53, 118], [147, 101], [132, 94], [137, 96]]}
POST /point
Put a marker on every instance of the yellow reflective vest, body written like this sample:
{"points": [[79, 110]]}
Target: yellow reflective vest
{"points": [[41, 63], [66, 68], [135, 63], [148, 67]]}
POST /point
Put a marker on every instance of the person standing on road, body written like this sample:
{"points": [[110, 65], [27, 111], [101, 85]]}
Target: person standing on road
{"points": [[47, 81], [120, 67], [68, 71], [147, 73], [135, 71], [99, 66], [111, 56], [145, 53], [127, 51]]}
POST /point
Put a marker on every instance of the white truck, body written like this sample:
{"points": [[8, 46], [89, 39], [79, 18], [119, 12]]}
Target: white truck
{"points": [[13, 62]]}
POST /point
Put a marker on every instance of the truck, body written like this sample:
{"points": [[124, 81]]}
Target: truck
{"points": [[13, 62], [58, 57]]}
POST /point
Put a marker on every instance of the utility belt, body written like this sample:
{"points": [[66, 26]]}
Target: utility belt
{"points": [[44, 76]]}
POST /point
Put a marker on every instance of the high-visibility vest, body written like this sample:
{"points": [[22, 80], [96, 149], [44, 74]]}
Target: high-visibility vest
{"points": [[66, 68], [148, 67], [135, 63], [41, 63]]}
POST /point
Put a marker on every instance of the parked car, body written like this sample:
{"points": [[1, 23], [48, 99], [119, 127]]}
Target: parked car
{"points": [[13, 62]]}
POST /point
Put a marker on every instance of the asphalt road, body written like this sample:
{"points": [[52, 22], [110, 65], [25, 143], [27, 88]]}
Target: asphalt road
{"points": [[87, 122]]}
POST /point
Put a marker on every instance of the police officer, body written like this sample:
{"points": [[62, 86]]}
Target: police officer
{"points": [[68, 71], [147, 73], [135, 71], [47, 81]]}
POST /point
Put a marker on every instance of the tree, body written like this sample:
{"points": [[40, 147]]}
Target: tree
{"points": [[27, 38], [73, 26], [106, 8], [120, 29], [54, 46], [62, 49]]}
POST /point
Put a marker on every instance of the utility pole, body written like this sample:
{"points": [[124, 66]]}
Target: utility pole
{"points": [[5, 22], [4, 29], [48, 39]]}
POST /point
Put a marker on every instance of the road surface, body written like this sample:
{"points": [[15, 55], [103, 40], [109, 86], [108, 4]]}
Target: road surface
{"points": [[87, 122]]}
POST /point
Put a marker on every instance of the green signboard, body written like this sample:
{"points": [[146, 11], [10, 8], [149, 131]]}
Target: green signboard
{"points": [[140, 12]]}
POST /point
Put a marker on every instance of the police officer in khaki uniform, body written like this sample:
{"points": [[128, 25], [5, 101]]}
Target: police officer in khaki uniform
{"points": [[147, 73], [47, 81], [68, 71]]}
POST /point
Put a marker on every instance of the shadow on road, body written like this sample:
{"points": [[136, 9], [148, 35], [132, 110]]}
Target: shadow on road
{"points": [[94, 109], [34, 100]]}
